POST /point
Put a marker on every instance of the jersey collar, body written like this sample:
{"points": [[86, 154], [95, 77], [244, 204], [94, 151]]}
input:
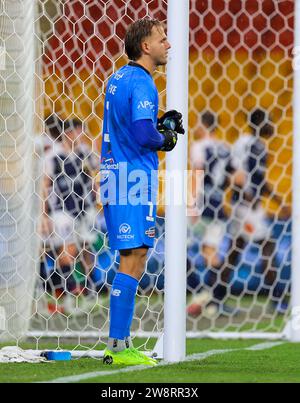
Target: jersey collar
{"points": [[134, 64]]}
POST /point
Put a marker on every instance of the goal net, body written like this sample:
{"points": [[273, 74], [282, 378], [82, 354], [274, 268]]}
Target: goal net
{"points": [[241, 80], [56, 266]]}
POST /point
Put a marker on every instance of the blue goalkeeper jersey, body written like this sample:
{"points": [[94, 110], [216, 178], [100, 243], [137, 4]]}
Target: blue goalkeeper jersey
{"points": [[131, 95]]}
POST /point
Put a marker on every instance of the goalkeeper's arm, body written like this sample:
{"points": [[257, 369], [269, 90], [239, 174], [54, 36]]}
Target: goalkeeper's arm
{"points": [[146, 135]]}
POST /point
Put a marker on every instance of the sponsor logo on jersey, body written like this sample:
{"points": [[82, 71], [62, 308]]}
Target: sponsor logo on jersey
{"points": [[150, 232], [125, 232], [125, 228], [146, 105], [108, 163]]}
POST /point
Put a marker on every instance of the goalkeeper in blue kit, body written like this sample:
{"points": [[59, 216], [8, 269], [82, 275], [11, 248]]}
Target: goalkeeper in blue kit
{"points": [[132, 135]]}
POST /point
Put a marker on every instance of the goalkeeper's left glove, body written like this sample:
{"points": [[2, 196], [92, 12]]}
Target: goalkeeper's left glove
{"points": [[170, 139], [171, 120]]}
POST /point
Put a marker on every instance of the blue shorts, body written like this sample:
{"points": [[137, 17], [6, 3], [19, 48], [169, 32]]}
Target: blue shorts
{"points": [[130, 226]]}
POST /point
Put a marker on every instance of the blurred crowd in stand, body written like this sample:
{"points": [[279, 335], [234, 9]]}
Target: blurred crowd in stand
{"points": [[234, 246], [234, 236]]}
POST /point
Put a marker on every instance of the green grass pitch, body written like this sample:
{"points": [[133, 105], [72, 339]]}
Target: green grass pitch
{"points": [[278, 364]]}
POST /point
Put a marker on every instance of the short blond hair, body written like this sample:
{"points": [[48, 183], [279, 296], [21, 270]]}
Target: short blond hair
{"points": [[135, 34]]}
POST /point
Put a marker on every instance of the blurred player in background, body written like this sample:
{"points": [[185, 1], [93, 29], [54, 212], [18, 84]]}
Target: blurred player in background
{"points": [[132, 135], [249, 219], [246, 168], [211, 155], [69, 209]]}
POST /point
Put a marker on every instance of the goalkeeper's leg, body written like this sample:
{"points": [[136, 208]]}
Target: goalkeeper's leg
{"points": [[119, 348]]}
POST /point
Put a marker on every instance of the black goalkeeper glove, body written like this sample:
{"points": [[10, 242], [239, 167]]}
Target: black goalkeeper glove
{"points": [[171, 120], [170, 139]]}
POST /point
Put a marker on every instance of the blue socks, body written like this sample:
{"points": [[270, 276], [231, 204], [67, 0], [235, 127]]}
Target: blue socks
{"points": [[122, 299]]}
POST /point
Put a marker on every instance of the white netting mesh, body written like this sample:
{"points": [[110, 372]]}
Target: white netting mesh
{"points": [[240, 251], [239, 259]]}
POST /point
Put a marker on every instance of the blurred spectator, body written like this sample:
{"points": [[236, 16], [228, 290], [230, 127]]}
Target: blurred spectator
{"points": [[69, 209], [249, 221], [211, 155]]}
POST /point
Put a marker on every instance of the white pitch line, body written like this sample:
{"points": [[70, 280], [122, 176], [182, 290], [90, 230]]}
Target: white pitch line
{"points": [[264, 346], [192, 357], [89, 375]]}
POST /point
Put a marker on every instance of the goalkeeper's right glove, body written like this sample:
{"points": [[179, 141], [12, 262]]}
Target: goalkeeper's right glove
{"points": [[170, 137], [171, 120]]}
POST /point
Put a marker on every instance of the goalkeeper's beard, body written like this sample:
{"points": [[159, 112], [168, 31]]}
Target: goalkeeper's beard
{"points": [[161, 61]]}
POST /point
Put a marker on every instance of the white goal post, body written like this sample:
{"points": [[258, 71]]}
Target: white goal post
{"points": [[176, 224], [227, 59], [18, 207], [295, 317]]}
